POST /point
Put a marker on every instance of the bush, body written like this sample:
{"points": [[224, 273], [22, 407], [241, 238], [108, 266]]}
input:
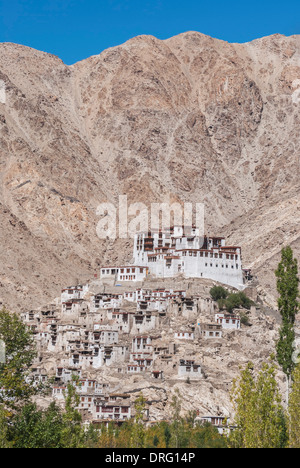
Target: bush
{"points": [[244, 319], [235, 301], [218, 292]]}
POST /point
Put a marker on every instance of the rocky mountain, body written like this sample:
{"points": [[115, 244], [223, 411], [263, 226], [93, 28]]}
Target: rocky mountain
{"points": [[189, 119]]}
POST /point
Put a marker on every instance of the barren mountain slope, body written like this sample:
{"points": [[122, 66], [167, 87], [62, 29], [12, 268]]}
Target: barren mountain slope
{"points": [[188, 119]]}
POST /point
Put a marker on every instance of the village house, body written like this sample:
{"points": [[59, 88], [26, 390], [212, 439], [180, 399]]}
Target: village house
{"points": [[128, 273], [65, 374], [184, 335], [189, 369], [144, 322], [87, 402], [151, 305], [88, 386], [157, 374], [142, 359], [142, 343], [228, 321], [105, 334], [123, 320], [135, 368], [112, 409], [211, 330], [73, 309], [161, 347], [220, 422], [58, 392], [39, 374], [73, 292], [113, 354], [106, 301], [189, 307]]}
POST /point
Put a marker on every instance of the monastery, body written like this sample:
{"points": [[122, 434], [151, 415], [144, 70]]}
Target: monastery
{"points": [[170, 253], [130, 326]]}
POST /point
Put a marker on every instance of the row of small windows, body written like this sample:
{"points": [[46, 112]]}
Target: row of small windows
{"points": [[122, 270], [223, 266], [210, 255]]}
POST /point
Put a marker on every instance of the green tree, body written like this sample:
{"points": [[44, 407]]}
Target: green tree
{"points": [[15, 374], [167, 436], [179, 427], [4, 440], [33, 428], [206, 436], [218, 292], [244, 319], [259, 416], [73, 433], [288, 305], [235, 301], [176, 426], [91, 437], [138, 432], [294, 410]]}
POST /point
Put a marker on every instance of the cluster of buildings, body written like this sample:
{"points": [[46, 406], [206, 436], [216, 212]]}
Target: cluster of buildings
{"points": [[119, 334], [107, 337]]}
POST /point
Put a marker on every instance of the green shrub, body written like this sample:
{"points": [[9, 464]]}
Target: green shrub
{"points": [[235, 301], [218, 292]]}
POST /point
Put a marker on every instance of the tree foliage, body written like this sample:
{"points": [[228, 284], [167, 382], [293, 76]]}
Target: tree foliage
{"points": [[4, 419], [218, 292], [50, 428], [138, 433], [15, 377], [259, 416], [294, 410], [235, 301], [72, 434], [288, 305]]}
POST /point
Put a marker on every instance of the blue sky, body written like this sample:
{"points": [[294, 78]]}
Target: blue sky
{"points": [[76, 29]]}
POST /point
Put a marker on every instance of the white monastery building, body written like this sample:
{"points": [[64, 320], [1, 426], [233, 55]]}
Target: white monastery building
{"points": [[170, 252]]}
